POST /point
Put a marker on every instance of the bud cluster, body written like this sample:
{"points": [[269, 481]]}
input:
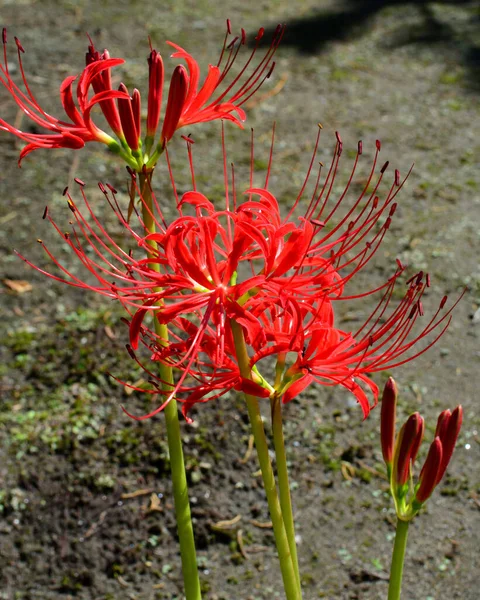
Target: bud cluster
{"points": [[399, 452]]}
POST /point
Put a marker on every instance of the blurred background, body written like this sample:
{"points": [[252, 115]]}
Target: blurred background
{"points": [[85, 504]]}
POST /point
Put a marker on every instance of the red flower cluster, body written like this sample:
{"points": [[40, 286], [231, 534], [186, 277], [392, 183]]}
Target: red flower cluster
{"points": [[188, 103], [400, 452], [277, 277]]}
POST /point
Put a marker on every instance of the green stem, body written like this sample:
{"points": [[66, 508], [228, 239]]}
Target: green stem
{"points": [[177, 463], [292, 589], [283, 482], [398, 557]]}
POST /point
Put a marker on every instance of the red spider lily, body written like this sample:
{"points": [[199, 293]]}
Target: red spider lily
{"points": [[335, 357], [401, 451], [205, 379], [277, 277], [216, 98]]}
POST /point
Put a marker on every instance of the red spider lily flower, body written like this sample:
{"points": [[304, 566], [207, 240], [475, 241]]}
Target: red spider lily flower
{"points": [[278, 277], [334, 357], [216, 98], [206, 378]]}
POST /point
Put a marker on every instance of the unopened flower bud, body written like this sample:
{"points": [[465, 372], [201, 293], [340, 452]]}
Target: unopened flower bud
{"points": [[449, 437], [387, 420], [406, 443], [429, 472]]}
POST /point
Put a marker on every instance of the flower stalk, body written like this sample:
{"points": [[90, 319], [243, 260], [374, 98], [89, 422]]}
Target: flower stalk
{"points": [[177, 464], [398, 559], [290, 581], [283, 480]]}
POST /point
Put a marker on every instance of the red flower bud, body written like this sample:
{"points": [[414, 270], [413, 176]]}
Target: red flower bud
{"points": [[429, 472], [155, 88], [176, 99], [127, 119], [448, 436], [387, 420], [406, 443]]}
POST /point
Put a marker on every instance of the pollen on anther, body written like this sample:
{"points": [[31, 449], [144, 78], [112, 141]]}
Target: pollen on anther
{"points": [[39, 241]]}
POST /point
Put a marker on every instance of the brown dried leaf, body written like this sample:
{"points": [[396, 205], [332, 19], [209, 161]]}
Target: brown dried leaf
{"points": [[18, 285]]}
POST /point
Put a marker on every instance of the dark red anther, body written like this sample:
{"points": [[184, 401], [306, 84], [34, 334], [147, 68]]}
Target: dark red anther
{"points": [[260, 33], [339, 139], [375, 202], [378, 144], [388, 222], [399, 263], [444, 301], [233, 42], [111, 188], [412, 312], [397, 177], [271, 70], [65, 191], [419, 278], [370, 340], [45, 213], [393, 209], [102, 187], [229, 26], [66, 235], [130, 253], [428, 280], [188, 139], [385, 167], [130, 351], [360, 147], [19, 46], [317, 222], [244, 37], [130, 171], [420, 308], [4, 35], [79, 181]]}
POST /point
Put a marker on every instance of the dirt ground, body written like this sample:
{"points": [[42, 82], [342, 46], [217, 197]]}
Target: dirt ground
{"points": [[85, 498]]}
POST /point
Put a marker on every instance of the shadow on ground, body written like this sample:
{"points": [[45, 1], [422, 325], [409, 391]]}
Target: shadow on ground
{"points": [[310, 35]]}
